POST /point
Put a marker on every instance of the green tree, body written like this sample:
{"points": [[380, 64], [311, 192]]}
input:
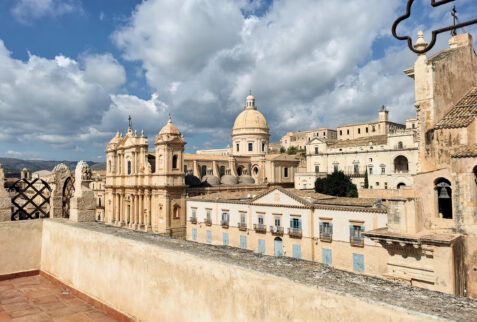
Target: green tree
{"points": [[292, 150], [366, 181], [282, 149], [336, 184]]}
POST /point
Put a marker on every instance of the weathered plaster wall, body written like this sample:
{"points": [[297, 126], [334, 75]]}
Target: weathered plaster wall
{"points": [[20, 246], [152, 283]]}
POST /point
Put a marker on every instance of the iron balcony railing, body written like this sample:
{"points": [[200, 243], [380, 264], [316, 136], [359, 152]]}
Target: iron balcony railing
{"points": [[224, 223], [294, 232], [242, 226], [276, 230], [193, 220], [326, 236], [260, 228], [356, 241], [208, 221]]}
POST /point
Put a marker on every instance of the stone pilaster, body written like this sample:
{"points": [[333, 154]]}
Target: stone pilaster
{"points": [[83, 203]]}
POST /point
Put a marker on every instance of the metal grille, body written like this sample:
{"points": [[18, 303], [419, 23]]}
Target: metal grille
{"points": [[31, 199]]}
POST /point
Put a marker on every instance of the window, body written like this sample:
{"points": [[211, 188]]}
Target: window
{"points": [[377, 184], [317, 168], [358, 262], [385, 185], [356, 168], [285, 172], [399, 145], [222, 171], [401, 164], [242, 218], [359, 131], [239, 171], [326, 231], [203, 170], [208, 236], [174, 162], [374, 128], [175, 211], [316, 150], [194, 234], [355, 235], [370, 170], [194, 213], [341, 132], [238, 147], [413, 125], [185, 168], [129, 167], [99, 202], [347, 132], [295, 223], [255, 171], [277, 221], [370, 159], [335, 168], [208, 219], [260, 220], [367, 131], [383, 170], [263, 146], [250, 147], [326, 256], [225, 218]]}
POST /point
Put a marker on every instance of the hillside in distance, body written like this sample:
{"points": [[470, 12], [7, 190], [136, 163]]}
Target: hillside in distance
{"points": [[13, 166]]}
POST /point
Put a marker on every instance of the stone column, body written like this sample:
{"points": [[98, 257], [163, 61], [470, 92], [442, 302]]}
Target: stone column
{"points": [[5, 200], [83, 204], [120, 209], [148, 227], [141, 210]]}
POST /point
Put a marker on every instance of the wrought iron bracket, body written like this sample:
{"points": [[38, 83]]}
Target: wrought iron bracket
{"points": [[434, 3]]}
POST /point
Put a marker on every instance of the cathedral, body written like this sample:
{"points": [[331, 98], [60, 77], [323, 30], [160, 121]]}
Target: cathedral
{"points": [[146, 190]]}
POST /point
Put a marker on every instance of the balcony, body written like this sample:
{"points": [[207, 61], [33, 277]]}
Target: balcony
{"points": [[208, 222], [276, 230], [326, 237], [356, 241], [260, 228], [193, 220], [242, 226], [294, 232], [224, 223]]}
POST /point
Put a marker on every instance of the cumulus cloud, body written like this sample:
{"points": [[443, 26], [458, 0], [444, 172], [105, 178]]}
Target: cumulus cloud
{"points": [[56, 101], [27, 10], [305, 61]]}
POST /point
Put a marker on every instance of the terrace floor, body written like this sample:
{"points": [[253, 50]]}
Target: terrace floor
{"points": [[35, 299]]}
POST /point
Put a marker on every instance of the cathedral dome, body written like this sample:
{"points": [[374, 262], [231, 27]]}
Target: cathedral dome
{"points": [[170, 129], [246, 179], [250, 117]]}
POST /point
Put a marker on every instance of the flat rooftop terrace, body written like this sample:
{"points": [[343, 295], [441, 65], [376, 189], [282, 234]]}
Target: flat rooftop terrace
{"points": [[35, 298], [369, 289]]}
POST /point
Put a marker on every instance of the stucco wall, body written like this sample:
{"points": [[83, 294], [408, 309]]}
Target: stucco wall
{"points": [[154, 283], [20, 246]]}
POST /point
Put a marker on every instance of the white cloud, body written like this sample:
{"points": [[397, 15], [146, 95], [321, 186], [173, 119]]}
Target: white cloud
{"points": [[56, 101], [303, 61], [27, 10]]}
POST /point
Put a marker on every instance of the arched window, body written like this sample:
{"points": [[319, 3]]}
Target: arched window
{"points": [[129, 167], [401, 165], [400, 185], [239, 171], [203, 170], [399, 145], [444, 198], [174, 162], [222, 171], [255, 171]]}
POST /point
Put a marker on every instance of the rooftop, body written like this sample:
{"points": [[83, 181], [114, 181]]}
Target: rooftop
{"points": [[462, 114], [375, 140]]}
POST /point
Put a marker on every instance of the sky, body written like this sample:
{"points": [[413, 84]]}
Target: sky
{"points": [[71, 71]]}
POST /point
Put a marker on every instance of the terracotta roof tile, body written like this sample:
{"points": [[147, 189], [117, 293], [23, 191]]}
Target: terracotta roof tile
{"points": [[465, 151], [462, 114]]}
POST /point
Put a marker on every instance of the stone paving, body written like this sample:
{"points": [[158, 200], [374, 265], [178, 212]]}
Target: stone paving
{"points": [[36, 299]]}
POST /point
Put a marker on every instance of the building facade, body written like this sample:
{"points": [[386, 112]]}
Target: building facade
{"points": [[387, 151], [301, 138], [282, 222]]}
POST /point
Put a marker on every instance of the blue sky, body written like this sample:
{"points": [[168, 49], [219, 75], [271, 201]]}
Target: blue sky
{"points": [[71, 71]]}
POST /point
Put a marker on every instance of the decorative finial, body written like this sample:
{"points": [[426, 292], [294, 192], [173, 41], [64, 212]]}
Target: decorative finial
{"points": [[170, 118], [130, 121], [420, 42], [135, 132], [142, 133]]}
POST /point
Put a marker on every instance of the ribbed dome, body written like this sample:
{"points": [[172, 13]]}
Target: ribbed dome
{"points": [[229, 179], [210, 180], [250, 118], [246, 179], [170, 129]]}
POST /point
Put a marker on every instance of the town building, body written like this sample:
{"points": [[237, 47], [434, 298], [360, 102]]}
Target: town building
{"points": [[431, 238], [300, 139], [387, 151], [293, 223]]}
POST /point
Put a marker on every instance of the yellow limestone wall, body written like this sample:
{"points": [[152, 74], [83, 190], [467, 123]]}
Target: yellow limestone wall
{"points": [[20, 246], [152, 283]]}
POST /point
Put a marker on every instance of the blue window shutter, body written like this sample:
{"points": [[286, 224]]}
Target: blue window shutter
{"points": [[362, 228], [299, 223], [321, 227], [351, 229], [331, 228]]}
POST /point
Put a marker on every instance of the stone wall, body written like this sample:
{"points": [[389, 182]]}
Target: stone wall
{"points": [[20, 246], [154, 278]]}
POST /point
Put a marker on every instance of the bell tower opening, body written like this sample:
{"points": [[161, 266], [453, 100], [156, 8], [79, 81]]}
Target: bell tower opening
{"points": [[444, 198]]}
